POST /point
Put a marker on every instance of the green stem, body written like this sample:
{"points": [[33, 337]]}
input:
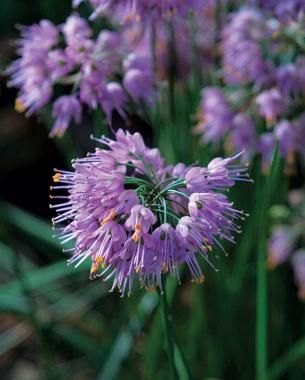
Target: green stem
{"points": [[261, 295], [171, 186], [161, 209], [167, 320], [153, 44], [182, 194], [99, 123], [137, 181], [172, 73]]}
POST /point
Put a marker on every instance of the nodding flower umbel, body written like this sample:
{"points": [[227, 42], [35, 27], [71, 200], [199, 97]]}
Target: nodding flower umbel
{"points": [[134, 217], [89, 68]]}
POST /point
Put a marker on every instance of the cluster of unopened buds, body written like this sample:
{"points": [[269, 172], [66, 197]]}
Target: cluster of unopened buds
{"points": [[134, 217]]}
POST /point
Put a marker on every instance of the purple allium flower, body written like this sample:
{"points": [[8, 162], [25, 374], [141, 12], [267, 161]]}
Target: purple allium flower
{"points": [[88, 68], [298, 263], [284, 10], [65, 109], [59, 64], [108, 41], [266, 145], [284, 131], [141, 219], [139, 84], [242, 53], [114, 98], [253, 47], [219, 174], [280, 246], [243, 135], [39, 36], [139, 77], [215, 114], [29, 73], [92, 84], [185, 42], [76, 29], [288, 80], [143, 222], [271, 104]]}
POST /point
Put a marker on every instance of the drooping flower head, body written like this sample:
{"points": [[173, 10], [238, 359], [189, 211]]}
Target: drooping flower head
{"points": [[215, 115], [243, 60], [286, 242], [134, 217], [280, 246], [271, 104], [263, 89], [298, 263], [86, 67]]}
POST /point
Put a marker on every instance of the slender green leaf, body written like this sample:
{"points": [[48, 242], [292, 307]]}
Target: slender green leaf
{"points": [[13, 337], [28, 223], [261, 296], [288, 359]]}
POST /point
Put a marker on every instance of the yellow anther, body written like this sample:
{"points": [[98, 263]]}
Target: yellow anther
{"points": [[151, 289], [94, 268], [165, 266], [137, 269], [172, 11], [128, 18], [136, 235], [301, 294], [56, 177], [19, 106], [271, 263], [138, 228], [109, 217], [99, 260], [290, 168], [200, 279], [96, 264]]}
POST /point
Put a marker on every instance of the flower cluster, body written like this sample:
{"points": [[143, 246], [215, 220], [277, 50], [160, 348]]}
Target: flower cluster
{"points": [[89, 67], [134, 217], [260, 88], [173, 49], [288, 237], [142, 10], [285, 10]]}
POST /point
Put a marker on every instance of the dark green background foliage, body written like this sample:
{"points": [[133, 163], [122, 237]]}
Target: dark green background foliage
{"points": [[55, 323]]}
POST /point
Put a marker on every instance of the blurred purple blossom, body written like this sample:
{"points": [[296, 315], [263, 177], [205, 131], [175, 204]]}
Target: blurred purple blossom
{"points": [[65, 109], [298, 263], [142, 10], [257, 76], [88, 66], [271, 104], [280, 246], [214, 115]]}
